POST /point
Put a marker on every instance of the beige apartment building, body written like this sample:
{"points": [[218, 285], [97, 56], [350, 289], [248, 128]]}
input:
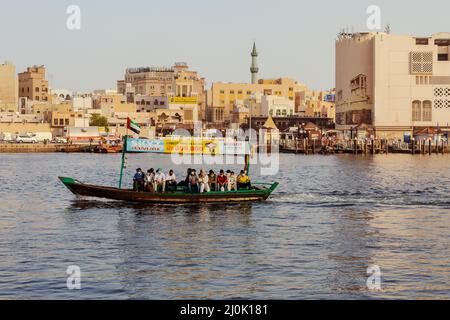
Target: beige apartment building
{"points": [[8, 87], [392, 84], [33, 85], [176, 81], [320, 104], [223, 97]]}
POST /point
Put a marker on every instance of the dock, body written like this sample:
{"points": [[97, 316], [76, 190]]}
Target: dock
{"points": [[42, 148]]}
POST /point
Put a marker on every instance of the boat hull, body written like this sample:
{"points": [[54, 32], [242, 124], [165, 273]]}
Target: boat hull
{"points": [[82, 189]]}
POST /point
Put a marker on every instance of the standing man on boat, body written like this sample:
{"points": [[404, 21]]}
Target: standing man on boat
{"points": [[138, 180]]}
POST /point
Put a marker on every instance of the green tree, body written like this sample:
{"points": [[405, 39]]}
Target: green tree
{"points": [[99, 121]]}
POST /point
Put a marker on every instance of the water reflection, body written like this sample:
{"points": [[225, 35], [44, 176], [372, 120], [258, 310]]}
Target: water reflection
{"points": [[330, 219], [353, 243]]}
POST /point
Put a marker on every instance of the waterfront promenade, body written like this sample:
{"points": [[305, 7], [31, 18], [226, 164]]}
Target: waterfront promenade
{"points": [[41, 148]]}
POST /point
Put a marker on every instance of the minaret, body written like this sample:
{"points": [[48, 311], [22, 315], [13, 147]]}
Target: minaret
{"points": [[254, 68]]}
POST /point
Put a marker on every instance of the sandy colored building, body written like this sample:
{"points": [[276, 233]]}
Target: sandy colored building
{"points": [[33, 85], [176, 81], [320, 104], [8, 87], [222, 96], [394, 84], [277, 106]]}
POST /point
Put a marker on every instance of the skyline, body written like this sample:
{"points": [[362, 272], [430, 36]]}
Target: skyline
{"points": [[203, 34]]}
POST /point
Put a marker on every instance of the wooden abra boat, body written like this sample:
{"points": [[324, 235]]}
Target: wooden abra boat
{"points": [[259, 192]]}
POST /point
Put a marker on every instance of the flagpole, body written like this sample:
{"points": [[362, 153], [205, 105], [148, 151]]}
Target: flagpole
{"points": [[124, 148]]}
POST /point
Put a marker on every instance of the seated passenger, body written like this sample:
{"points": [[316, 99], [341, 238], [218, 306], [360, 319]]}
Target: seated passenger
{"points": [[222, 181], [232, 182], [160, 181], [193, 182], [171, 181], [203, 182], [243, 181], [212, 180], [150, 180], [138, 180]]}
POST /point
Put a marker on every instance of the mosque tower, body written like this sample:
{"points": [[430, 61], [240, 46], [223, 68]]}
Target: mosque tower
{"points": [[254, 68]]}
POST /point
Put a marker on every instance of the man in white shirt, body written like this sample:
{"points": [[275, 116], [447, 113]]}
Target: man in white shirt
{"points": [[171, 181], [160, 180], [203, 181]]}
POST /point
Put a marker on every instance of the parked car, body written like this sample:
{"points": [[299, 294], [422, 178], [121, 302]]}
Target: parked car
{"points": [[60, 140], [6, 137], [26, 139]]}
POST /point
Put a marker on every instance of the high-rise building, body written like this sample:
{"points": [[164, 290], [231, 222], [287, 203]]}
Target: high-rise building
{"points": [[392, 84], [8, 87], [33, 85]]}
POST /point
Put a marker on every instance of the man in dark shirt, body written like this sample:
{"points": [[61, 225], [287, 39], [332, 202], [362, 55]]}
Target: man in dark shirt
{"points": [[138, 180]]}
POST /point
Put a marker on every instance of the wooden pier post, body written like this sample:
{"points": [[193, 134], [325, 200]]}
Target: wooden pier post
{"points": [[429, 146], [413, 146], [372, 147]]}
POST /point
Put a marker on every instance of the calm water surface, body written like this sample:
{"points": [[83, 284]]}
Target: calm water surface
{"points": [[330, 219]]}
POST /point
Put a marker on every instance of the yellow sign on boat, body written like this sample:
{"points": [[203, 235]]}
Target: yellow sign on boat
{"points": [[192, 146]]}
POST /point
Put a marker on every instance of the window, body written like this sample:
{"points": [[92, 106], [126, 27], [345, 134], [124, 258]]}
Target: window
{"points": [[427, 110], [36, 89], [443, 57], [416, 111], [249, 92], [66, 122], [421, 62], [240, 92], [36, 98], [61, 122], [55, 122], [422, 41], [222, 91], [231, 91]]}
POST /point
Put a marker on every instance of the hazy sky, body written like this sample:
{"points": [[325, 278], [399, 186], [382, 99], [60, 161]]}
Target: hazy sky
{"points": [[294, 38]]}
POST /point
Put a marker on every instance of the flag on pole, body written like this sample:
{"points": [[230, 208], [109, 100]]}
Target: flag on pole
{"points": [[133, 126]]}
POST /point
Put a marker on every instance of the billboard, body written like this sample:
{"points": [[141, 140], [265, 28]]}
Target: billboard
{"points": [[145, 145], [329, 98], [189, 146], [183, 100]]}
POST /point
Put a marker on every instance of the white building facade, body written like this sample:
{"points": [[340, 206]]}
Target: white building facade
{"points": [[395, 84]]}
